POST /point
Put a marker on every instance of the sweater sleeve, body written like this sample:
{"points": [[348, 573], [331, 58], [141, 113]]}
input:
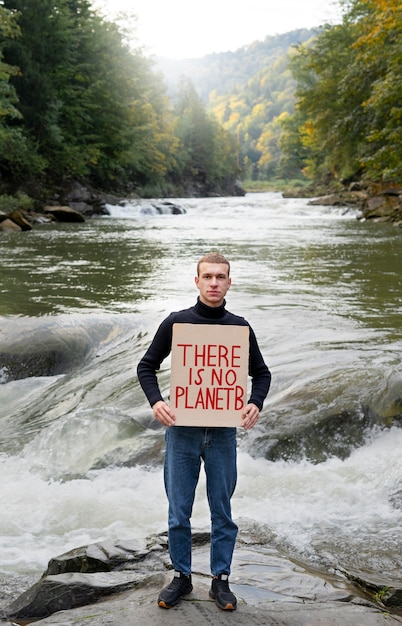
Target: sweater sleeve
{"points": [[151, 361], [160, 348], [259, 373]]}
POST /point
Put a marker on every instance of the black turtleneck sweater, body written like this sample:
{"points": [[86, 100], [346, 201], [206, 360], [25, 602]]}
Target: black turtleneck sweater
{"points": [[200, 314]]}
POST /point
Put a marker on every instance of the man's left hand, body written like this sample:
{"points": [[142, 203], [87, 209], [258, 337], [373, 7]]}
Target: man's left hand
{"points": [[250, 415]]}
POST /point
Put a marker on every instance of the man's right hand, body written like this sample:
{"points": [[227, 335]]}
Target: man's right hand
{"points": [[163, 413]]}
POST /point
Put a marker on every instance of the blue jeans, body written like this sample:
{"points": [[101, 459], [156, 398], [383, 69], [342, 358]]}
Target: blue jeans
{"points": [[186, 447]]}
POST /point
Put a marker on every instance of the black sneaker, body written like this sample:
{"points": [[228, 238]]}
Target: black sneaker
{"points": [[172, 593], [221, 593]]}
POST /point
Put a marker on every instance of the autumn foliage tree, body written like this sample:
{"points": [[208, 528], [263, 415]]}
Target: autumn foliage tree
{"points": [[379, 49], [348, 119], [253, 110]]}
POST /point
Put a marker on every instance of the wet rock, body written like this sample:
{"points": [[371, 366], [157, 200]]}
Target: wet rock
{"points": [[263, 579], [84, 199], [139, 607], [344, 198], [39, 218], [18, 217], [17, 366], [159, 208], [385, 595], [384, 207], [331, 435], [20, 220], [168, 208], [376, 202], [65, 591], [83, 576], [8, 224], [42, 352], [98, 557], [64, 213]]}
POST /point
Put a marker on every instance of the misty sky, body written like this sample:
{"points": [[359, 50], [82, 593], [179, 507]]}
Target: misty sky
{"points": [[184, 29]]}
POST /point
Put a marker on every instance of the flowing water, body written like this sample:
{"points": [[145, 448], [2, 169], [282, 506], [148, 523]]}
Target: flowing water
{"points": [[320, 476]]}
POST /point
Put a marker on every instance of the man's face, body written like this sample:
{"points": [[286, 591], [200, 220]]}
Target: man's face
{"points": [[213, 282]]}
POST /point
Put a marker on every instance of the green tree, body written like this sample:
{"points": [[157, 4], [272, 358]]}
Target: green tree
{"points": [[379, 50], [8, 98], [294, 154], [17, 154], [330, 99], [91, 104], [206, 151], [83, 104]]}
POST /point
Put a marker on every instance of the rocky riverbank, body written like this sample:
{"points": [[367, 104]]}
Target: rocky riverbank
{"points": [[138, 608], [118, 584], [76, 205], [374, 202]]}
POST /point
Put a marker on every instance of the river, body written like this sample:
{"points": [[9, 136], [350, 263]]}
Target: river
{"points": [[320, 476]]}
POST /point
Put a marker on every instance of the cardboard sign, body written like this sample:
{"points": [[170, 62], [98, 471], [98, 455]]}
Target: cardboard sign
{"points": [[209, 370]]}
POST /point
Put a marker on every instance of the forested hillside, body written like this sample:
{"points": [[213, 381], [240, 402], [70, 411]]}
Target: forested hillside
{"points": [[250, 91], [324, 106], [78, 103], [228, 72]]}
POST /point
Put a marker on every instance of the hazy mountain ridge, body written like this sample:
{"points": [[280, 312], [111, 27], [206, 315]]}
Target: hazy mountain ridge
{"points": [[249, 91], [229, 72]]}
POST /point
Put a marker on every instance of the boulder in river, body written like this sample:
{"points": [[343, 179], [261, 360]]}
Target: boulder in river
{"points": [[7, 224], [17, 217], [64, 213]]}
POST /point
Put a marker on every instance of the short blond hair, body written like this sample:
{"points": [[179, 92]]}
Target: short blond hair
{"points": [[213, 257]]}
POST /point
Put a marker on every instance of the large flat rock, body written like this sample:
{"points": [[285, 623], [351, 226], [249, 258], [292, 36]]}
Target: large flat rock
{"points": [[107, 584], [139, 607]]}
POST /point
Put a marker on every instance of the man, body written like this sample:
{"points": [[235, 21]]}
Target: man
{"points": [[188, 446]]}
